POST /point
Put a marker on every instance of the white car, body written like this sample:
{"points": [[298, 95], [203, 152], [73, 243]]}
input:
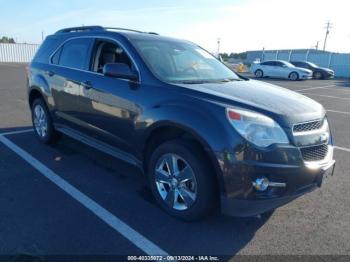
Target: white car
{"points": [[280, 69]]}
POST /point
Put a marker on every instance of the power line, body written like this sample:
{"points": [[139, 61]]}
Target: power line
{"points": [[328, 27]]}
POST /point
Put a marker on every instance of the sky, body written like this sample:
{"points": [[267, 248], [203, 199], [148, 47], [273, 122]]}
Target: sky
{"points": [[240, 24]]}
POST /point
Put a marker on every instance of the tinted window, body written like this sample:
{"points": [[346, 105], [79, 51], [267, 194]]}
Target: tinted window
{"points": [[46, 49], [269, 63], [279, 64], [56, 57], [298, 64], [76, 53]]}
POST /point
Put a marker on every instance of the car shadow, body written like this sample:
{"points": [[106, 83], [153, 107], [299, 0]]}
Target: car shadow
{"points": [[345, 82], [216, 235]]}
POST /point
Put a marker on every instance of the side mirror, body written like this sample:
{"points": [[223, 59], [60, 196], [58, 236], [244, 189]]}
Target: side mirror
{"points": [[119, 70]]}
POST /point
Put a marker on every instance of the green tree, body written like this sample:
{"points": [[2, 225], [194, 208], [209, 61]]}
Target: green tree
{"points": [[7, 40]]}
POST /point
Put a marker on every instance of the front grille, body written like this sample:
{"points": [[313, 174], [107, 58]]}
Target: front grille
{"points": [[309, 126], [314, 153]]}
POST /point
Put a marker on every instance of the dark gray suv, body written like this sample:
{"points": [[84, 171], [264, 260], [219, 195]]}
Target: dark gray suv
{"points": [[205, 136]]}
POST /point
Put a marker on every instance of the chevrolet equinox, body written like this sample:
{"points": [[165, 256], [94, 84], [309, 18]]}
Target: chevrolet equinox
{"points": [[204, 136]]}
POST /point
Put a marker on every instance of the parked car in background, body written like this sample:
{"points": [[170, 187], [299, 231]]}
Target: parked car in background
{"points": [[280, 69], [317, 71]]}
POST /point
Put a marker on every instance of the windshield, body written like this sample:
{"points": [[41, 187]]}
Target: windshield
{"points": [[312, 64], [175, 61]]}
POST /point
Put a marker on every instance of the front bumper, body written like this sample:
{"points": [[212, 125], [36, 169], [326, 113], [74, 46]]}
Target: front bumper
{"points": [[242, 200], [329, 75]]}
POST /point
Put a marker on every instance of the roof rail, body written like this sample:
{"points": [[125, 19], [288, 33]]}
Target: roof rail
{"points": [[80, 29], [130, 30], [122, 29], [98, 28]]}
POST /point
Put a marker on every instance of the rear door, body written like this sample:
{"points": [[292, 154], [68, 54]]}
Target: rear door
{"points": [[69, 66], [267, 68]]}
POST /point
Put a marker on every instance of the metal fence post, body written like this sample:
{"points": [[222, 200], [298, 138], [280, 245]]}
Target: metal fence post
{"points": [[262, 55], [330, 59], [307, 54]]}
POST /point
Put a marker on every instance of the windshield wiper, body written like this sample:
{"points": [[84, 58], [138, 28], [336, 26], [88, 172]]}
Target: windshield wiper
{"points": [[229, 80], [192, 81], [205, 81]]}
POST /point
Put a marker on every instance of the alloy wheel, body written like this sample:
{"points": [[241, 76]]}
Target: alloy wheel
{"points": [[293, 76], [175, 182], [40, 120]]}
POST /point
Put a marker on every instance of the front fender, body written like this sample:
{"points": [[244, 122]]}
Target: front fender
{"points": [[200, 122]]}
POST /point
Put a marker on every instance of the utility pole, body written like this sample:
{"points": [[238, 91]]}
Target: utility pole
{"points": [[328, 27], [42, 36], [218, 42], [316, 46]]}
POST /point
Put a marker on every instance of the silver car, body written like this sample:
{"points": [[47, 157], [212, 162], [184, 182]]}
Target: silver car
{"points": [[280, 69]]}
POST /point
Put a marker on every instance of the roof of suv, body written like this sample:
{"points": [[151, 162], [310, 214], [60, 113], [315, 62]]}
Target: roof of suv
{"points": [[129, 33]]}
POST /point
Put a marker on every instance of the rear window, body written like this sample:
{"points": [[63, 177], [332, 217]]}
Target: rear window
{"points": [[46, 49], [75, 53]]}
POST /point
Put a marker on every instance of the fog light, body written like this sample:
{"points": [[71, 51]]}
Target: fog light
{"points": [[261, 184]]}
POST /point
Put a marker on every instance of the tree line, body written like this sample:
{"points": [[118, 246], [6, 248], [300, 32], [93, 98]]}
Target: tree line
{"points": [[226, 56], [7, 40]]}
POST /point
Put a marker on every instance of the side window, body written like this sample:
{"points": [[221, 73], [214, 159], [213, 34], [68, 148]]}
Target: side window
{"points": [[269, 63], [56, 57], [106, 52], [75, 53], [278, 64]]}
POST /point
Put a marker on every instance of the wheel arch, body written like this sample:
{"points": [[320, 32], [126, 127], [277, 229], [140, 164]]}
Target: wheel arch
{"points": [[34, 93], [167, 131]]}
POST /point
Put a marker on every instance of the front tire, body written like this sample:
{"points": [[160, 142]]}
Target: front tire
{"points": [[294, 76], [318, 75], [181, 180], [42, 122]]}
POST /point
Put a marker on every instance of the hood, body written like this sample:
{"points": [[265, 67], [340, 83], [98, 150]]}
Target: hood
{"points": [[326, 69], [285, 106]]}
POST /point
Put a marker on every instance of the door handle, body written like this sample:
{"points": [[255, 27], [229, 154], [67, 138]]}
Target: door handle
{"points": [[86, 84], [50, 73]]}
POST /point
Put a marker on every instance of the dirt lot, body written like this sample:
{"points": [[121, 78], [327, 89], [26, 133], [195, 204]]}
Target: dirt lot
{"points": [[76, 200]]}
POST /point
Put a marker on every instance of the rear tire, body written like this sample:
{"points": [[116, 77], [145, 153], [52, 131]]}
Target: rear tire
{"points": [[294, 76], [181, 180], [42, 122], [259, 73]]}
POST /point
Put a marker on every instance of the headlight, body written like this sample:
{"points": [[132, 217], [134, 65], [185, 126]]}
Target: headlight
{"points": [[256, 128]]}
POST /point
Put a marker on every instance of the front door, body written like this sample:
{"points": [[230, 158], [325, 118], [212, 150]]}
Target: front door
{"points": [[107, 104]]}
